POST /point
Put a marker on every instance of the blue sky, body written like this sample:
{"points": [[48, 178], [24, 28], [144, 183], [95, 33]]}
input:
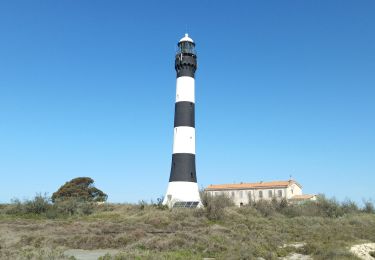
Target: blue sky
{"points": [[283, 88]]}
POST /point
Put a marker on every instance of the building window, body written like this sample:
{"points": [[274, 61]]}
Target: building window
{"points": [[240, 193], [261, 194], [280, 193], [270, 193], [232, 194]]}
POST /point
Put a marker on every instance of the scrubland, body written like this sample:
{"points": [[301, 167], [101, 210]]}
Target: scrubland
{"points": [[38, 229]]}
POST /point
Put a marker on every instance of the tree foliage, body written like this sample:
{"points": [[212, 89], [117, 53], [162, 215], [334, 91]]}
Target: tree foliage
{"points": [[79, 188]]}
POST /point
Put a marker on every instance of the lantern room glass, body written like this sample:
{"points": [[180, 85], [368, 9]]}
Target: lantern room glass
{"points": [[186, 48]]}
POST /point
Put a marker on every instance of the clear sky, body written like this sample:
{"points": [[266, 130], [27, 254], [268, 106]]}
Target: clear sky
{"points": [[87, 88]]}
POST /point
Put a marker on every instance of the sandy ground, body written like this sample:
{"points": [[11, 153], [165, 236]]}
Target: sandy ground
{"points": [[80, 254], [295, 256], [363, 250]]}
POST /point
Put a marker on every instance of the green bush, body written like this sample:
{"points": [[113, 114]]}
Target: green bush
{"points": [[40, 204], [369, 207], [79, 188], [349, 206], [322, 207], [328, 207], [215, 205], [268, 208], [159, 204], [15, 207], [74, 206]]}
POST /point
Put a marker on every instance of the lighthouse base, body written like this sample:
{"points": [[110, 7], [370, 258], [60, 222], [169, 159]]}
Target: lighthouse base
{"points": [[182, 194]]}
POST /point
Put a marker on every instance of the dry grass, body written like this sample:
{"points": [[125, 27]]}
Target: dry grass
{"points": [[148, 232]]}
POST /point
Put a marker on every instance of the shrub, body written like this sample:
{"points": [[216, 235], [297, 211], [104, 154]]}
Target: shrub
{"points": [[159, 204], [327, 207], [270, 207], [322, 207], [15, 207], [349, 206], [79, 188], [369, 207], [73, 206], [265, 208], [214, 205], [40, 204], [142, 204]]}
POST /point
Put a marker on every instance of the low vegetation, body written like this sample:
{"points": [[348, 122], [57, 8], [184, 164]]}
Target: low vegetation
{"points": [[41, 229]]}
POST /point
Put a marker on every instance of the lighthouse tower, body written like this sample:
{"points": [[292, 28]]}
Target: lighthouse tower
{"points": [[183, 188]]}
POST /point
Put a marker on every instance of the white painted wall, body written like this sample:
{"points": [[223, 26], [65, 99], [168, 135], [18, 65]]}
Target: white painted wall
{"points": [[255, 194], [181, 191], [185, 89], [184, 140], [292, 190]]}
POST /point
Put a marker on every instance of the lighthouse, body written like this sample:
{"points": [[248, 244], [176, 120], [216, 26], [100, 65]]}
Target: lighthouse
{"points": [[183, 188]]}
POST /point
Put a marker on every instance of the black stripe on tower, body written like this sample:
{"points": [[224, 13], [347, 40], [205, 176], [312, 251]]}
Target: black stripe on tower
{"points": [[185, 64], [183, 167], [184, 114]]}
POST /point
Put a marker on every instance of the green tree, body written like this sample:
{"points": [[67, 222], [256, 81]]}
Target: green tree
{"points": [[81, 188]]}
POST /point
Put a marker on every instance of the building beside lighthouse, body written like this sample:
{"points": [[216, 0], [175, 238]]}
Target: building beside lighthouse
{"points": [[183, 189], [247, 193]]}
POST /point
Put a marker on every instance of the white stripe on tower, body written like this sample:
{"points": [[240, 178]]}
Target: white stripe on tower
{"points": [[185, 89], [184, 140], [183, 185]]}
